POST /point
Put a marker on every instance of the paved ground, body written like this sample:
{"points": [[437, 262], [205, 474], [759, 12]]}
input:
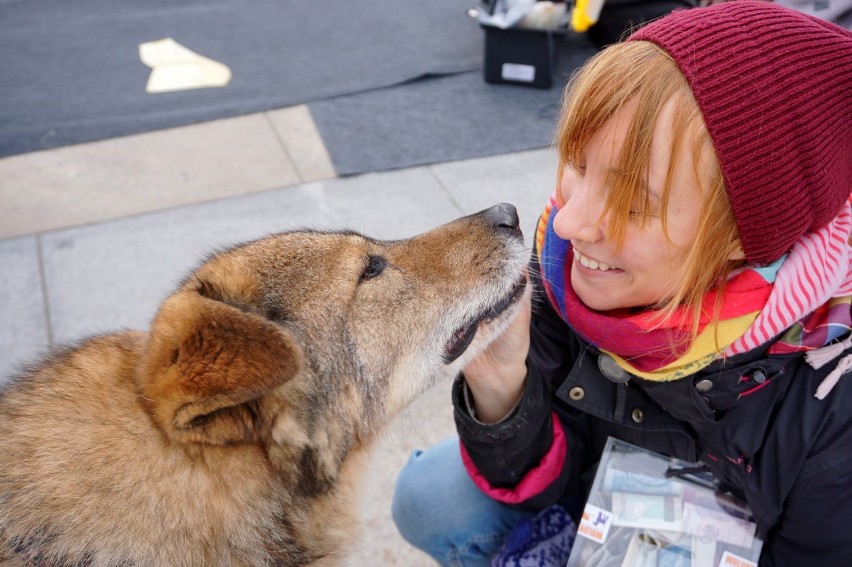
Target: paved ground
{"points": [[94, 236]]}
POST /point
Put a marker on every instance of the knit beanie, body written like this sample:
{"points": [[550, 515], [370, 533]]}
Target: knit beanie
{"points": [[775, 89]]}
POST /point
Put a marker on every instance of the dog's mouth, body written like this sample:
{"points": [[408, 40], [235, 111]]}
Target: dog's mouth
{"points": [[464, 335]]}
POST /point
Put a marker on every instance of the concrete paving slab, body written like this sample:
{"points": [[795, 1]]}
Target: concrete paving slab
{"points": [[422, 424], [525, 179], [302, 141], [23, 331], [87, 183], [114, 274]]}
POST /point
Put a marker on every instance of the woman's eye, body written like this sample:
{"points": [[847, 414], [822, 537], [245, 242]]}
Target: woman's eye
{"points": [[579, 169], [643, 214], [571, 175], [375, 266]]}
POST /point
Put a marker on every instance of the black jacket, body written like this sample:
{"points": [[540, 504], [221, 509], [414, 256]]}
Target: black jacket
{"points": [[753, 419]]}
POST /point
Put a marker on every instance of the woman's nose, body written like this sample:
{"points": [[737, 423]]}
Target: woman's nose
{"points": [[580, 217]]}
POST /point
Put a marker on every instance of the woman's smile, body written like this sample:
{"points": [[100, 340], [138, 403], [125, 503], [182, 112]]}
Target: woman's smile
{"points": [[593, 265]]}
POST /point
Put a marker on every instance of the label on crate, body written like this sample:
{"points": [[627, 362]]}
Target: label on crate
{"points": [[518, 72], [731, 560], [595, 523]]}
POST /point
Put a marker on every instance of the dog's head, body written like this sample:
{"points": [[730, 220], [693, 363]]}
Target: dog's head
{"points": [[283, 336]]}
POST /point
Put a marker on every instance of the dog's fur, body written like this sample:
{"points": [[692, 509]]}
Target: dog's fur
{"points": [[233, 432]]}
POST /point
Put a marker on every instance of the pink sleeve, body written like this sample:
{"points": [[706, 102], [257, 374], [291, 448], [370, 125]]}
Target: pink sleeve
{"points": [[535, 481]]}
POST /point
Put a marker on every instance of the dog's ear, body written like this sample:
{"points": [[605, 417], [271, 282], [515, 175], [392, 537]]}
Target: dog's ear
{"points": [[206, 364]]}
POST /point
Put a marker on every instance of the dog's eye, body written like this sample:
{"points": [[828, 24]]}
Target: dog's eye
{"points": [[375, 266]]}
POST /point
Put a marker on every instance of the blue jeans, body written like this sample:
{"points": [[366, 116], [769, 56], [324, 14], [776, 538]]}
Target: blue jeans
{"points": [[438, 509]]}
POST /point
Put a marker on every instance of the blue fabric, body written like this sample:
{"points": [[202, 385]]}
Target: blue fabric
{"points": [[544, 540], [438, 509], [555, 270]]}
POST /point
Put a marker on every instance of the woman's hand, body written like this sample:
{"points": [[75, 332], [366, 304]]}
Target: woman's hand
{"points": [[496, 376]]}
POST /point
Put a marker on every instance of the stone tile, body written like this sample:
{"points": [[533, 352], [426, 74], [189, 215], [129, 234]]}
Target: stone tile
{"points": [[525, 179], [23, 332], [302, 141], [422, 424], [114, 274], [87, 183]]}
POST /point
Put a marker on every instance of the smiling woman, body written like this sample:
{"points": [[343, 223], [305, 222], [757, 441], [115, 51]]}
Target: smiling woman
{"points": [[696, 274], [641, 243], [653, 208]]}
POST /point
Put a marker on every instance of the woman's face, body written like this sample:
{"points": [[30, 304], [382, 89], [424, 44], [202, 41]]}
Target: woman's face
{"points": [[641, 272]]}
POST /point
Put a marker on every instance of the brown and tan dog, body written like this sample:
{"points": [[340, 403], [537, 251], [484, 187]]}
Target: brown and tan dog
{"points": [[233, 432]]}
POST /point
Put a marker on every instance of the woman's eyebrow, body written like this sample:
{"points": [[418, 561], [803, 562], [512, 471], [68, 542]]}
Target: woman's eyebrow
{"points": [[642, 183]]}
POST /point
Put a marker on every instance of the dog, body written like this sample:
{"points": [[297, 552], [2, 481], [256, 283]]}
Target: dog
{"points": [[233, 432]]}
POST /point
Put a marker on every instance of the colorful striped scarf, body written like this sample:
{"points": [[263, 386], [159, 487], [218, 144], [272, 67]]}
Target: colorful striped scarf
{"points": [[799, 303]]}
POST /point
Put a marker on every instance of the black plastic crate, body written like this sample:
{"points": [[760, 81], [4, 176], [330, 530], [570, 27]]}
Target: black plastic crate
{"points": [[521, 56]]}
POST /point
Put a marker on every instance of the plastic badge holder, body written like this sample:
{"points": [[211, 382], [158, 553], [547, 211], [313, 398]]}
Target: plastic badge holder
{"points": [[640, 514]]}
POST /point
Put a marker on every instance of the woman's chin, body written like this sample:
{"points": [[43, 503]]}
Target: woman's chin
{"points": [[596, 300], [594, 295]]}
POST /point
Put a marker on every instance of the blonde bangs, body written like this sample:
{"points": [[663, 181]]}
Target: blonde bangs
{"points": [[642, 77], [634, 74]]}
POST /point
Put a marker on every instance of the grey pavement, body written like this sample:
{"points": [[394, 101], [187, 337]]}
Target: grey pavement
{"points": [[80, 258]]}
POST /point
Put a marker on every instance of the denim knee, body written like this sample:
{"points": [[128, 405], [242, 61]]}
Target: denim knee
{"points": [[416, 500], [438, 509]]}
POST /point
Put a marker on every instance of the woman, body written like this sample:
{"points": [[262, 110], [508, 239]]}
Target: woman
{"points": [[695, 250]]}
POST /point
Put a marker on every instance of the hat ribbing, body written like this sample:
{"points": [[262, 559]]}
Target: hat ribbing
{"points": [[775, 89]]}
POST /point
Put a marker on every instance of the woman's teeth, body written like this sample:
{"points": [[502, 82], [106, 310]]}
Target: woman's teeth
{"points": [[592, 264]]}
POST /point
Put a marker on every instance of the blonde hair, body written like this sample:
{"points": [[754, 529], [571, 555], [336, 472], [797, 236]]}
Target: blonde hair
{"points": [[640, 74]]}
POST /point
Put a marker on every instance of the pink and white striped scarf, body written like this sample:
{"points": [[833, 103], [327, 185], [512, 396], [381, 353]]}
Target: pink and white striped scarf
{"points": [[800, 303], [817, 269], [810, 305]]}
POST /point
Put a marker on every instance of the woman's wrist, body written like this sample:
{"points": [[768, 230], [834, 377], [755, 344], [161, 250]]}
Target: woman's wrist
{"points": [[493, 400]]}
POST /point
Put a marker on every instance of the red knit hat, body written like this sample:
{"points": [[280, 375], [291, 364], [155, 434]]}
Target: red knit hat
{"points": [[775, 89]]}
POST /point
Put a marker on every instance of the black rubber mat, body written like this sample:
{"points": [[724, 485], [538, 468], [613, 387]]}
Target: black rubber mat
{"points": [[71, 70]]}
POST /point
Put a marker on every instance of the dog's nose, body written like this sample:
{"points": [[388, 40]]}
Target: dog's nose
{"points": [[504, 216]]}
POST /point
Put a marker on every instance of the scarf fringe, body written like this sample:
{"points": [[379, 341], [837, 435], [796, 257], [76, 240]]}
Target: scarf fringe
{"points": [[830, 381], [819, 357]]}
